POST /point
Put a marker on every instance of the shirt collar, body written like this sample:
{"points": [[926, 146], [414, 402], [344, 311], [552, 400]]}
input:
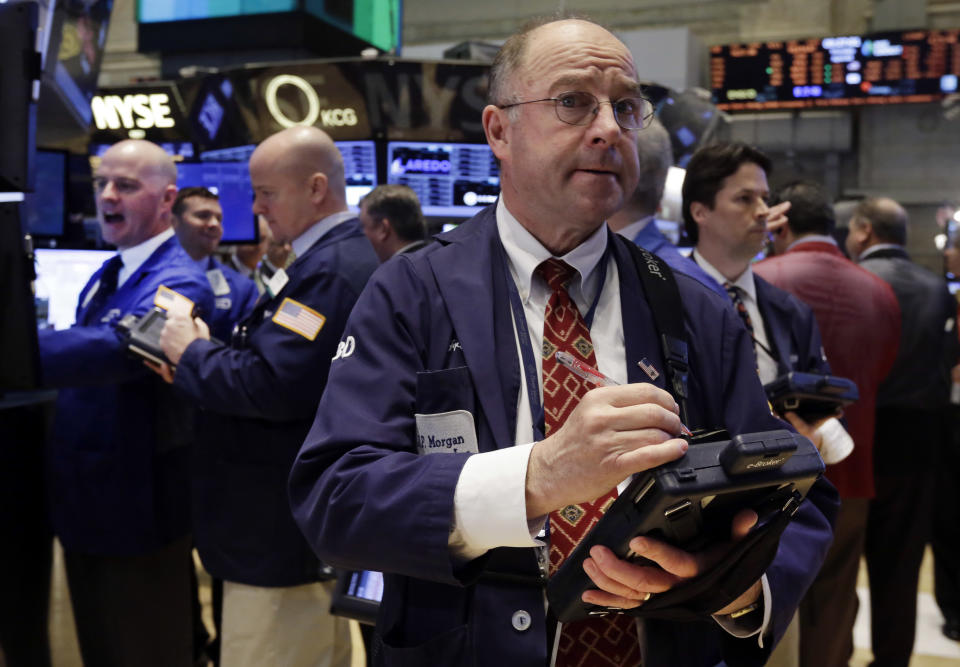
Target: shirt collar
{"points": [[878, 247], [305, 241], [525, 253], [745, 281], [630, 231], [813, 238], [134, 257]]}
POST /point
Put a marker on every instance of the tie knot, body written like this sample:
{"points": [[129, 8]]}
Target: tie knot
{"points": [[556, 272], [732, 290]]}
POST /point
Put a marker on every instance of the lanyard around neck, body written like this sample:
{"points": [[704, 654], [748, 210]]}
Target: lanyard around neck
{"points": [[530, 372]]}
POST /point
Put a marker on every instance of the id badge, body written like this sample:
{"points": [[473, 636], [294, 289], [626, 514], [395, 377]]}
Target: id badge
{"points": [[446, 433]]}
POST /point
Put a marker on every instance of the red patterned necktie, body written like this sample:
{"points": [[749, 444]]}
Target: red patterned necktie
{"points": [[608, 641]]}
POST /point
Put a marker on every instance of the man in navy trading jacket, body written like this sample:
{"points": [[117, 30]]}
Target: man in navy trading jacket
{"points": [[198, 223], [726, 214], [117, 459], [259, 394], [441, 349]]}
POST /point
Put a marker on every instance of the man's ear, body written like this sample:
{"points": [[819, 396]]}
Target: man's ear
{"points": [[495, 124], [169, 196], [384, 229], [318, 185], [699, 212]]}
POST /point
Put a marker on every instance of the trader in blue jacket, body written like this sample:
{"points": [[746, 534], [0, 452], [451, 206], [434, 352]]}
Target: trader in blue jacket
{"points": [[117, 458], [259, 394], [198, 223], [443, 347], [725, 209]]}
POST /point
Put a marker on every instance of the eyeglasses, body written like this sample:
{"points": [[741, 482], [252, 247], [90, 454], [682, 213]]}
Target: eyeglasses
{"points": [[578, 108]]}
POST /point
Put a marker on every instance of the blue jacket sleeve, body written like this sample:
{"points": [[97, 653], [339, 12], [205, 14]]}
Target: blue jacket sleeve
{"points": [[96, 355], [280, 374]]}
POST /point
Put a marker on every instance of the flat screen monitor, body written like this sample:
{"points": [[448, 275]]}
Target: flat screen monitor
{"points": [[231, 182], [451, 179], [61, 275], [359, 168], [44, 210]]}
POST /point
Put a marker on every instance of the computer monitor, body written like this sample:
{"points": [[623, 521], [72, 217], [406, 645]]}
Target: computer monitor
{"points": [[231, 182], [44, 210], [61, 275], [359, 169], [451, 179]]}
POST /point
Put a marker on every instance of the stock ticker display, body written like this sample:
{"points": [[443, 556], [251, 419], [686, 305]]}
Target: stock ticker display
{"points": [[450, 179], [881, 68]]}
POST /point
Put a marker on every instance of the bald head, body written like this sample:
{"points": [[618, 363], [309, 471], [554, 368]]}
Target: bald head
{"points": [[297, 178], [154, 161], [135, 185], [876, 220]]}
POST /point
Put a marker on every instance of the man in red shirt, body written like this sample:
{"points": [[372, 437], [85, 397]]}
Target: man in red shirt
{"points": [[859, 321]]}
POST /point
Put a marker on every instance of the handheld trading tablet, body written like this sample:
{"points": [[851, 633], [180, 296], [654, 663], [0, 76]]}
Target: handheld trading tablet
{"points": [[143, 334], [810, 395], [690, 503]]}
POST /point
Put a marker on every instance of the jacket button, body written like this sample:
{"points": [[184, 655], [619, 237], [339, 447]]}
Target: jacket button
{"points": [[521, 620]]}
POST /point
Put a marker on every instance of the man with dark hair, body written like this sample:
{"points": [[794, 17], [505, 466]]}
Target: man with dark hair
{"points": [[198, 223], [260, 392], [392, 220], [454, 345], [726, 213], [637, 219], [859, 319], [910, 405], [117, 460]]}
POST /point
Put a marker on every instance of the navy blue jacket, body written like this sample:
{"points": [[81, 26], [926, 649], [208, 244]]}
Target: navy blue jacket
{"points": [[366, 500], [791, 329], [259, 399], [235, 304], [117, 457]]}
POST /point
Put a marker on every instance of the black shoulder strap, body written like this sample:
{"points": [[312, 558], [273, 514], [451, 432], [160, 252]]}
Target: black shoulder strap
{"points": [[662, 293]]}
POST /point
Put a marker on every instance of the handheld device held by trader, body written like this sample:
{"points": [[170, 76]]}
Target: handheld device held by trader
{"points": [[810, 395], [142, 334], [690, 503]]}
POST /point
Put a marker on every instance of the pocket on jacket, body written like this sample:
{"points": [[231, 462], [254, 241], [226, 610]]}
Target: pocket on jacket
{"points": [[444, 412], [448, 648]]}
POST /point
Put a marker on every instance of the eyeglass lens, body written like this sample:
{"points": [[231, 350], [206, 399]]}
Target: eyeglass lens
{"points": [[631, 113]]}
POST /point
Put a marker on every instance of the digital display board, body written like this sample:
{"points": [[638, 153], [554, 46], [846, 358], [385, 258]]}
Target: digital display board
{"points": [[451, 179], [359, 169], [881, 68]]}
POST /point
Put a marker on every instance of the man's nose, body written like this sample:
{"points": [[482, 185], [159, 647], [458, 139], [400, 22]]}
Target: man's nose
{"points": [[604, 125]]}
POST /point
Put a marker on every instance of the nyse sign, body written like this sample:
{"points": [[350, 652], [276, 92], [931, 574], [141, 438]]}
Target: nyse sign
{"points": [[138, 111]]}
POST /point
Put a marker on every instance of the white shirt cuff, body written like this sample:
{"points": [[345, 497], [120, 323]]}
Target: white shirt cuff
{"points": [[738, 629], [489, 504]]}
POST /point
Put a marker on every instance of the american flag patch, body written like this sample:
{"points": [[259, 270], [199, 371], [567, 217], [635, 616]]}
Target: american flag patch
{"points": [[648, 368], [299, 318], [172, 302]]}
